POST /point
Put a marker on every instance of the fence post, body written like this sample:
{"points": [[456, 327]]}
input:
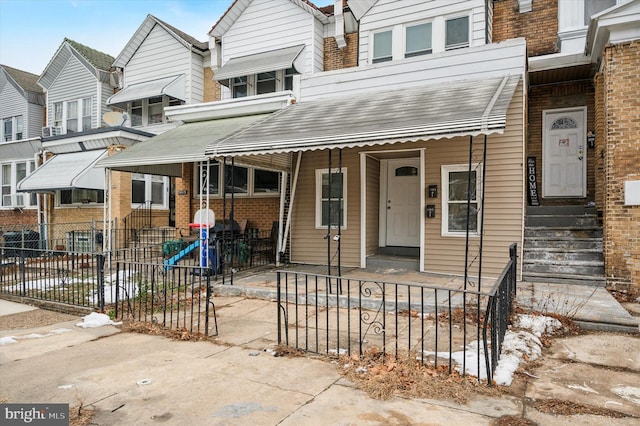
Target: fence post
{"points": [[117, 288], [513, 257], [278, 307], [23, 276]]}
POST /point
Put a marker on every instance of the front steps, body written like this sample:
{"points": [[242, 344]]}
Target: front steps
{"points": [[563, 244]]}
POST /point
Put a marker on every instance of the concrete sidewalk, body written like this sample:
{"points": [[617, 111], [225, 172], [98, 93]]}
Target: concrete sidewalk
{"points": [[144, 379]]}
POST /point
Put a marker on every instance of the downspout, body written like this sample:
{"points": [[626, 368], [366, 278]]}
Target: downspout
{"points": [[36, 157]]}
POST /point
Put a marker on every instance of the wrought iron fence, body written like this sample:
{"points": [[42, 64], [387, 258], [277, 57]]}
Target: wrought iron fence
{"points": [[179, 298], [438, 325]]}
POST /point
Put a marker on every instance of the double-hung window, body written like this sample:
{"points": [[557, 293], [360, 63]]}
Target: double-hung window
{"points": [[148, 188], [417, 40], [382, 46], [155, 110], [58, 114], [72, 117], [239, 87], [461, 189], [457, 33], [11, 173], [86, 113], [7, 130], [331, 198], [266, 82]]}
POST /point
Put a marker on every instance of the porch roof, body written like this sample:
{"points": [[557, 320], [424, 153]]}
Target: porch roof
{"points": [[165, 153], [463, 108], [66, 171]]}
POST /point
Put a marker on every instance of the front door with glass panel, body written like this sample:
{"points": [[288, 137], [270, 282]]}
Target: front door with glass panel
{"points": [[403, 202], [564, 164]]}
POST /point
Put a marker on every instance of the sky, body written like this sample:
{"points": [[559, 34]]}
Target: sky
{"points": [[31, 31]]}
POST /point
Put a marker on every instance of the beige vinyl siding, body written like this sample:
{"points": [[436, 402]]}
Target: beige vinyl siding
{"points": [[504, 192], [307, 243], [373, 206]]}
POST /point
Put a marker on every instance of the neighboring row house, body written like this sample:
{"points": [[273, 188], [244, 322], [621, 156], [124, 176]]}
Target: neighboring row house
{"points": [[437, 132], [21, 118]]}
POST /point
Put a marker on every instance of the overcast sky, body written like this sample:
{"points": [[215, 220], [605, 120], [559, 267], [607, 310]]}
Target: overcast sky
{"points": [[32, 30]]}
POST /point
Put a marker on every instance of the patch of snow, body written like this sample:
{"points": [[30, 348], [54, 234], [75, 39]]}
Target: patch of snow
{"points": [[629, 393], [7, 340], [65, 386], [583, 388], [95, 319], [340, 351], [538, 324]]}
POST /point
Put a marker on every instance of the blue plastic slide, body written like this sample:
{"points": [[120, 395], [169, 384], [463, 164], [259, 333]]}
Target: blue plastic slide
{"points": [[182, 253]]}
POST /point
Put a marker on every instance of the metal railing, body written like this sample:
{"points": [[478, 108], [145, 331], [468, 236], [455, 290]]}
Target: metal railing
{"points": [[337, 315], [140, 218]]}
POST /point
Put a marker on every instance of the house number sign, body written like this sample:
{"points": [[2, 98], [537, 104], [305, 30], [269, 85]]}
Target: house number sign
{"points": [[532, 184]]}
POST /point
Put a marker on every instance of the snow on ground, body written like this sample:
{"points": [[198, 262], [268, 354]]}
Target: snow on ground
{"points": [[95, 319], [517, 344], [14, 339]]}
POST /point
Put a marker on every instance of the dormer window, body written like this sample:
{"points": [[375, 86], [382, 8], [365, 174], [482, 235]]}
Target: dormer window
{"points": [[146, 112], [382, 46], [417, 40], [457, 33]]}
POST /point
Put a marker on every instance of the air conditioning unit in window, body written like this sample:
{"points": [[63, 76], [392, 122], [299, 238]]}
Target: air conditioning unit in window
{"points": [[19, 200], [6, 201], [51, 131]]}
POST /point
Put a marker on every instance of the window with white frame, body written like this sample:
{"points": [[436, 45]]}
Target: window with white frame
{"points": [[246, 181], [265, 82], [288, 78], [331, 198], [11, 173], [457, 32], [78, 196], [417, 40], [74, 115], [12, 128], [150, 111], [7, 132], [149, 188], [261, 83], [382, 46], [239, 87], [456, 181]]}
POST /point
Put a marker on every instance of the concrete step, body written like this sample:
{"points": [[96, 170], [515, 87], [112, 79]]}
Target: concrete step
{"points": [[378, 262], [560, 210], [532, 243], [569, 279], [560, 232], [561, 220], [563, 255], [590, 268]]}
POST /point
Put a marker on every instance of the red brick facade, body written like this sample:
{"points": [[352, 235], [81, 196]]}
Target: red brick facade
{"points": [[539, 26], [621, 162], [335, 58]]}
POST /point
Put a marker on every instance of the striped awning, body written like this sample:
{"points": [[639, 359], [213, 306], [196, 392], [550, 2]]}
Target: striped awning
{"points": [[468, 107]]}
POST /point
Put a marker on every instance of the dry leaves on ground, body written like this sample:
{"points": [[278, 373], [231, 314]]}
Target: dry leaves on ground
{"points": [[568, 408], [157, 330]]}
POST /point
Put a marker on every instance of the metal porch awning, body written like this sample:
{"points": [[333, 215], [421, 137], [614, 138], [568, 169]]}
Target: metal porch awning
{"points": [[288, 57], [463, 108], [72, 170], [173, 86], [165, 153]]}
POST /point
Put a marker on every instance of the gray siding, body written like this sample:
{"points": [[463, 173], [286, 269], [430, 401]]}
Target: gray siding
{"points": [[34, 121], [73, 82], [12, 102]]}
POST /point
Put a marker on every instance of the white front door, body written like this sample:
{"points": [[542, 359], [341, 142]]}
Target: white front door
{"points": [[403, 202], [564, 153]]}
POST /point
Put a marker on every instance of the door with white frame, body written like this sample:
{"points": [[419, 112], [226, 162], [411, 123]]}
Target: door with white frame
{"points": [[564, 153], [403, 202]]}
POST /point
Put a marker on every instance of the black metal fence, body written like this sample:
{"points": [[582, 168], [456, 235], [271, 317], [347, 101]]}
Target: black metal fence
{"points": [[439, 325]]}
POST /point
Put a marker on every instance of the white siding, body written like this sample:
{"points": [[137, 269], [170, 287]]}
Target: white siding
{"points": [[318, 45], [34, 121], [73, 82], [392, 14], [507, 58], [272, 24], [12, 102], [160, 55]]}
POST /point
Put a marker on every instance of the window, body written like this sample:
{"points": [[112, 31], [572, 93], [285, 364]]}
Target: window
{"points": [[457, 33], [417, 40], [19, 128], [455, 184], [136, 113], [236, 180], [150, 111], [591, 7], [155, 110], [382, 47], [148, 188], [81, 196], [72, 117], [57, 114], [246, 180], [288, 78], [86, 114], [331, 200], [265, 181], [266, 82], [11, 173], [239, 87], [7, 133]]}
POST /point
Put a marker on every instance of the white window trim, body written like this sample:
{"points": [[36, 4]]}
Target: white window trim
{"points": [[318, 218], [65, 112], [26, 197], [469, 17], [250, 186], [444, 179], [372, 38], [58, 198], [145, 112], [14, 128], [404, 37], [147, 188]]}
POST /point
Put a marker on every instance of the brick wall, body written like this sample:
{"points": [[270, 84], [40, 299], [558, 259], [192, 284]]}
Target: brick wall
{"points": [[561, 95], [24, 217], [212, 89], [622, 162], [599, 153], [539, 27], [335, 58]]}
